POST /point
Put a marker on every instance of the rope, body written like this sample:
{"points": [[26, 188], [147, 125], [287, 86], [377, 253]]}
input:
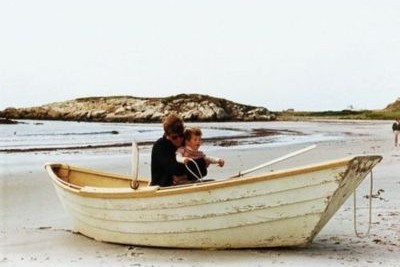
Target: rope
{"points": [[200, 177], [134, 184], [369, 211]]}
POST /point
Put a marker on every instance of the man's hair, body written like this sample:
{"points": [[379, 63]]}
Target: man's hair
{"points": [[189, 132], [173, 124]]}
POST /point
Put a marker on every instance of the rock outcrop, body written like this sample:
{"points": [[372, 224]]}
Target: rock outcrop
{"points": [[191, 107], [7, 121]]}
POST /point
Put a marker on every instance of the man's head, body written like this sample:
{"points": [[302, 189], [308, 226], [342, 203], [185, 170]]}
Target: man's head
{"points": [[173, 129]]}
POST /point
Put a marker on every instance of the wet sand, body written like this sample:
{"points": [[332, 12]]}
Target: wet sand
{"points": [[35, 230]]}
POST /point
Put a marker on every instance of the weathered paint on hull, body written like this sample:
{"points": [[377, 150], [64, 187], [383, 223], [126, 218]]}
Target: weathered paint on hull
{"points": [[288, 211]]}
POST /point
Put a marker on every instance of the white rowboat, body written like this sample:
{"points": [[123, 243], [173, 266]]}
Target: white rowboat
{"points": [[282, 208]]}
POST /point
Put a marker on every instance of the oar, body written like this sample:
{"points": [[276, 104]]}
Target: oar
{"points": [[241, 173], [135, 165]]}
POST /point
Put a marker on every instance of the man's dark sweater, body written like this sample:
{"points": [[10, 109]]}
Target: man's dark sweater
{"points": [[163, 163]]}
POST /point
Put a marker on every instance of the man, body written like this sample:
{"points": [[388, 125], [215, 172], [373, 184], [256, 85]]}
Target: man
{"points": [[164, 167], [396, 130]]}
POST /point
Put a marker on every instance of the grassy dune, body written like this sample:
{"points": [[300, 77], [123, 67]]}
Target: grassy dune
{"points": [[343, 114]]}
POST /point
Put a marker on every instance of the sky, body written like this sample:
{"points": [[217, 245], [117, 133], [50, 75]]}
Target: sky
{"points": [[301, 54]]}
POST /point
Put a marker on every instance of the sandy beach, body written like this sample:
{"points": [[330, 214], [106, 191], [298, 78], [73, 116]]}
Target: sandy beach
{"points": [[36, 231]]}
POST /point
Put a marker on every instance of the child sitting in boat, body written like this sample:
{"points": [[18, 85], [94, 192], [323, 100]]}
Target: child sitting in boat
{"points": [[196, 161]]}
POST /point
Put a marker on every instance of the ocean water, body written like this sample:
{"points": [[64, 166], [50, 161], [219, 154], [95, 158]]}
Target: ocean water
{"points": [[31, 134]]}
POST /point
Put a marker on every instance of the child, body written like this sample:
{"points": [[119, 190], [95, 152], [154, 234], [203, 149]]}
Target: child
{"points": [[190, 151]]}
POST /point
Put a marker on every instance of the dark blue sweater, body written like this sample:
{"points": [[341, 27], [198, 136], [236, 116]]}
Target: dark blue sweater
{"points": [[163, 163]]}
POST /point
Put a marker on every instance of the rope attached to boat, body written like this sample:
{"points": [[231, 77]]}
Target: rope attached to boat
{"points": [[369, 210], [134, 184], [200, 177]]}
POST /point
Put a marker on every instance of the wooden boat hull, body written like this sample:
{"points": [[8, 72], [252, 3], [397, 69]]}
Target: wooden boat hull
{"points": [[285, 208]]}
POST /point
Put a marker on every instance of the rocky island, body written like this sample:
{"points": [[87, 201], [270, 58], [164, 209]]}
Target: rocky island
{"points": [[191, 107]]}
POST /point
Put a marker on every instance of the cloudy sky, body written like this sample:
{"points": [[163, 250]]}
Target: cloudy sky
{"points": [[306, 55]]}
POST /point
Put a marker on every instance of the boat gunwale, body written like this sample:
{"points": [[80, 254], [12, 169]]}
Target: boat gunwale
{"points": [[157, 191]]}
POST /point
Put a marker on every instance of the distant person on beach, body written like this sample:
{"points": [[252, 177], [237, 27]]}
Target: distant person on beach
{"points": [[396, 130], [164, 167], [196, 161]]}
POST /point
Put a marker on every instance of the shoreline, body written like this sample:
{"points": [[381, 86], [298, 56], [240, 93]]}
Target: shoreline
{"points": [[35, 230], [223, 141]]}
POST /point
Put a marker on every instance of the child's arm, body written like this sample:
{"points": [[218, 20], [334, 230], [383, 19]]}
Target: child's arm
{"points": [[180, 158], [215, 160]]}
